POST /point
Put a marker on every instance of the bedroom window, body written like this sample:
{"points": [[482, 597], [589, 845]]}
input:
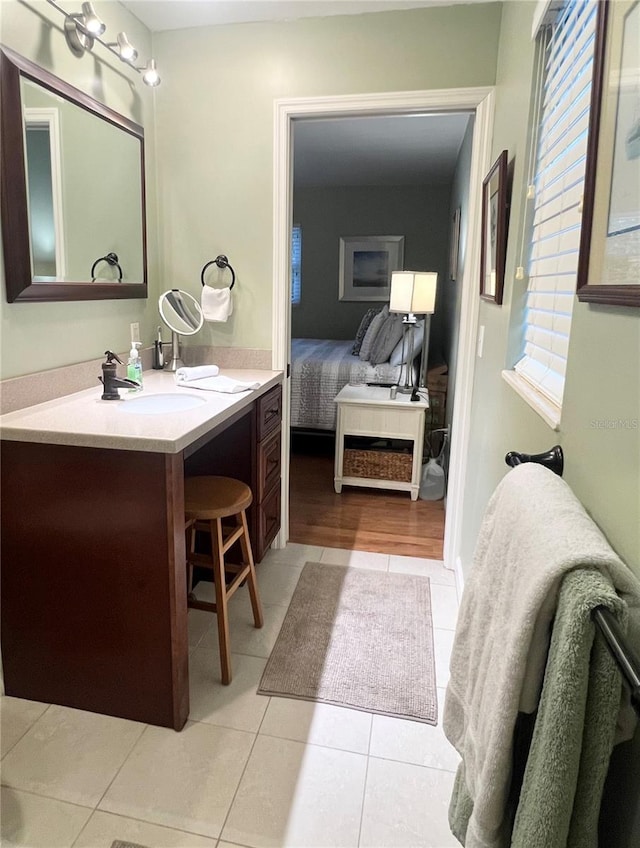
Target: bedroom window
{"points": [[296, 264], [556, 179]]}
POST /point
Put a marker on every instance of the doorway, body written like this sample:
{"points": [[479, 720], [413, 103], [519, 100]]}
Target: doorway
{"points": [[476, 100], [376, 189]]}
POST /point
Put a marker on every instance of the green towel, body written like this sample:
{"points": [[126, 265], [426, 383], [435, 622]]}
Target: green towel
{"points": [[460, 806], [575, 727]]}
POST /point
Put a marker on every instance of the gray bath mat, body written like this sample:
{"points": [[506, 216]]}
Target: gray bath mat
{"points": [[357, 638]]}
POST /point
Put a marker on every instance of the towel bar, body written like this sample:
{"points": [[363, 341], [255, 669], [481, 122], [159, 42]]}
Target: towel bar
{"points": [[553, 459], [626, 659], [222, 262]]}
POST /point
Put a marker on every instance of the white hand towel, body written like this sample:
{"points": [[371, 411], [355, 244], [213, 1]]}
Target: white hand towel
{"points": [[217, 304], [184, 375], [220, 384]]}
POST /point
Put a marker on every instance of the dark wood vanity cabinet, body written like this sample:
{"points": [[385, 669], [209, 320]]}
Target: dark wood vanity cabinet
{"points": [[266, 492], [93, 578], [248, 449]]}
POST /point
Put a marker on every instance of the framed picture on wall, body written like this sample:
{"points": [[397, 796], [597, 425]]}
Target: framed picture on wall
{"points": [[366, 263], [494, 230], [454, 245], [609, 260]]}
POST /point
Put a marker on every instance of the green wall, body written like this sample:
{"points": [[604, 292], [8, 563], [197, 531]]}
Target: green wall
{"points": [[602, 460], [210, 186], [416, 212], [39, 336], [602, 457], [215, 126], [210, 190]]}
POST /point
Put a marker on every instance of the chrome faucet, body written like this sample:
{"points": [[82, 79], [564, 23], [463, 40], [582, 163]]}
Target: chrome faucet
{"points": [[111, 381]]}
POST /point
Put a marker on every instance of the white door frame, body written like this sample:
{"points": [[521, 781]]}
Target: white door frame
{"points": [[479, 100], [36, 116]]}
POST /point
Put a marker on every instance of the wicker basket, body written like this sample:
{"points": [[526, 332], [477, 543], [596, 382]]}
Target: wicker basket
{"points": [[377, 465]]}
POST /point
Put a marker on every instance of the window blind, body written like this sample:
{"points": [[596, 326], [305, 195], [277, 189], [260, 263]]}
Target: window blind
{"points": [[558, 188], [296, 264]]}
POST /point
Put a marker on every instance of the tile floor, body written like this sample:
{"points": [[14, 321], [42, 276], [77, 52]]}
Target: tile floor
{"points": [[247, 770]]}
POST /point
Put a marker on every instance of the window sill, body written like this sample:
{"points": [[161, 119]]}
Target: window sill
{"points": [[546, 409]]}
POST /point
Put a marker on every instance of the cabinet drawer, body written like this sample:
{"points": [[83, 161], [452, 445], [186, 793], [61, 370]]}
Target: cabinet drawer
{"points": [[395, 422], [269, 452], [269, 412], [268, 519]]}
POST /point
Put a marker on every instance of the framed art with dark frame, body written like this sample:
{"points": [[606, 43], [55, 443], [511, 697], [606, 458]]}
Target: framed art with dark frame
{"points": [[366, 263], [494, 230], [609, 261]]}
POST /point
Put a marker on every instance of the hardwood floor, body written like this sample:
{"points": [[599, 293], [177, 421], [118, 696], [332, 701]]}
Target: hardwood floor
{"points": [[362, 519]]}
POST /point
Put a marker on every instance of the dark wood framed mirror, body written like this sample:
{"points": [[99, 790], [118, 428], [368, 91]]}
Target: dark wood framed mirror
{"points": [[72, 191]]}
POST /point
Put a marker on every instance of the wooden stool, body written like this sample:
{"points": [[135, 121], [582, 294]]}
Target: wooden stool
{"points": [[207, 500]]}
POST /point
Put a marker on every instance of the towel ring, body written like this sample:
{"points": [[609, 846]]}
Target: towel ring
{"points": [[112, 259], [222, 262]]}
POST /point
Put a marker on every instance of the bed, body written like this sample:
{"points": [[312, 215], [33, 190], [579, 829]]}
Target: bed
{"points": [[319, 369]]}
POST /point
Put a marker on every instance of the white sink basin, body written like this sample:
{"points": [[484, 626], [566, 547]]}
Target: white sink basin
{"points": [[162, 404]]}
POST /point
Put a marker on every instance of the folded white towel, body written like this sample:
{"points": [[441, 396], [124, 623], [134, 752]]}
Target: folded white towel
{"points": [[219, 384], [183, 375], [217, 304]]}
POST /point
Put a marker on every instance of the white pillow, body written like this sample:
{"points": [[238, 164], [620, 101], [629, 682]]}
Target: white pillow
{"points": [[372, 332], [396, 355]]}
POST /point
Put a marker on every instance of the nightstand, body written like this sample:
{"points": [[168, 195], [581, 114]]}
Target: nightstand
{"points": [[379, 439]]}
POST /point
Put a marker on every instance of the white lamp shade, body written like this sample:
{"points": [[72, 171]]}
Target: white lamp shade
{"points": [[413, 291]]}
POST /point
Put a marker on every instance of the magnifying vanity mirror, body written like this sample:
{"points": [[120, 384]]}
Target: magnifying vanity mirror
{"points": [[72, 174], [182, 314]]}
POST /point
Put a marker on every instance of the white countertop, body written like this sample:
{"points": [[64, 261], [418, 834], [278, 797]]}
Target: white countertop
{"points": [[84, 420]]}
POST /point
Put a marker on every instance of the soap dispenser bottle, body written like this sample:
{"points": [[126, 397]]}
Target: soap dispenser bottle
{"points": [[134, 366]]}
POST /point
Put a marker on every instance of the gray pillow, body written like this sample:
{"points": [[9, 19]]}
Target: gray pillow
{"points": [[367, 318], [389, 334], [370, 335]]}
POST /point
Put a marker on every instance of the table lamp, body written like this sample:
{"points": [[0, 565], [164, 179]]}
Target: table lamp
{"points": [[414, 293]]}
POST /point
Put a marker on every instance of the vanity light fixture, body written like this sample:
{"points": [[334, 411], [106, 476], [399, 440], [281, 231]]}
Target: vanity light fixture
{"points": [[89, 21], [126, 51], [150, 75], [83, 29]]}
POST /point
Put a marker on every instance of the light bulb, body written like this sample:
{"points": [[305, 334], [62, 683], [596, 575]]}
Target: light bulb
{"points": [[150, 75], [91, 23], [127, 51]]}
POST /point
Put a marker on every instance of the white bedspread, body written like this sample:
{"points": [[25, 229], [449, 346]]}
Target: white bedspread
{"points": [[319, 369]]}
